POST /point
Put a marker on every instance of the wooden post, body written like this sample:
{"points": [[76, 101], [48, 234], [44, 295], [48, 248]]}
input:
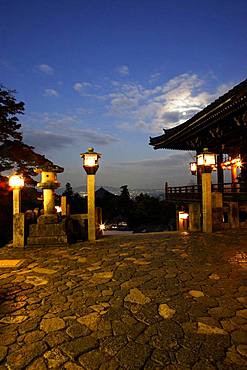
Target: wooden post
{"points": [[206, 202]]}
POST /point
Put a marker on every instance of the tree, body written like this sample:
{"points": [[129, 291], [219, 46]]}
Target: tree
{"points": [[14, 154], [76, 202], [125, 202], [68, 192]]}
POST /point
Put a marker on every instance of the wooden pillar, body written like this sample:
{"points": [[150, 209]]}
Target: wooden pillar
{"points": [[234, 175], [220, 172], [243, 155], [233, 215], [206, 203]]}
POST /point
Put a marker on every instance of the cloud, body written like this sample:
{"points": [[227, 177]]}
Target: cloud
{"points": [[154, 77], [123, 70], [81, 86], [45, 68], [50, 92], [162, 106], [94, 137], [170, 161], [56, 130], [46, 140]]}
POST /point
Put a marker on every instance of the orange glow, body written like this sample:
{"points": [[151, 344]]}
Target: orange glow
{"points": [[16, 181], [227, 165], [183, 215]]}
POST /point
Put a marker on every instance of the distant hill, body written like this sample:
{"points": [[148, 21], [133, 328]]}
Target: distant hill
{"points": [[157, 193]]}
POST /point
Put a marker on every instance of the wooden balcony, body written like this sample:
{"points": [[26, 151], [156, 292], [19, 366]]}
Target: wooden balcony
{"points": [[193, 193]]}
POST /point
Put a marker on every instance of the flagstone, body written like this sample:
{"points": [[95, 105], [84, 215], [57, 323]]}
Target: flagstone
{"points": [[242, 349], [207, 329], [242, 313], [196, 293], [36, 280], [103, 275], [136, 296], [42, 270], [52, 324], [214, 277], [165, 311], [243, 300], [91, 320]]}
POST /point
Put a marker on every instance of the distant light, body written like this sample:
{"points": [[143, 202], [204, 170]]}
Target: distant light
{"points": [[183, 215], [193, 168], [16, 181], [102, 227], [184, 113], [58, 209]]}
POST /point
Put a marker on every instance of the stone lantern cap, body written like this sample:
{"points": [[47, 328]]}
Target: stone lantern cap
{"points": [[49, 176], [49, 168]]}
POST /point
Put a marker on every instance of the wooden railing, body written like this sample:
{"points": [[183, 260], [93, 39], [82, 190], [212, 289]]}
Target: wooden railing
{"points": [[193, 192]]}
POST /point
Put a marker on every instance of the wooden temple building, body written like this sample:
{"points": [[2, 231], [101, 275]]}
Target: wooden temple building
{"points": [[222, 128]]}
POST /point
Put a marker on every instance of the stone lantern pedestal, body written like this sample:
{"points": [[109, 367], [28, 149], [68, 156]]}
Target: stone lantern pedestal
{"points": [[49, 231]]}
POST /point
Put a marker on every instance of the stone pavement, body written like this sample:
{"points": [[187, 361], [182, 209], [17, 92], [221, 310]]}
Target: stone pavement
{"points": [[153, 301]]}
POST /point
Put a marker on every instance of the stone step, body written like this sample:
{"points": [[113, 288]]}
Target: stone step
{"points": [[47, 240], [47, 230]]}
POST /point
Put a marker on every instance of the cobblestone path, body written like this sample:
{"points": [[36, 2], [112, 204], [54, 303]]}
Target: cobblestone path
{"points": [[154, 301]]}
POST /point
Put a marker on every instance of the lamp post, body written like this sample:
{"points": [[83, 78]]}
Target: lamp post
{"points": [[16, 182], [206, 161], [90, 161]]}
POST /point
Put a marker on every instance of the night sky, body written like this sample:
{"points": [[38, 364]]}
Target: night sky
{"points": [[110, 74]]}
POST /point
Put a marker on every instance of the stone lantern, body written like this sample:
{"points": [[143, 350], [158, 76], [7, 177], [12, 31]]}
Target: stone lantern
{"points": [[49, 183], [90, 161], [206, 161], [49, 231]]}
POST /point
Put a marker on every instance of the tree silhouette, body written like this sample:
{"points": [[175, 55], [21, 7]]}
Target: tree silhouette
{"points": [[14, 154]]}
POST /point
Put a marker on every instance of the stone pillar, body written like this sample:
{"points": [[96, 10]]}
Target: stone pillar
{"points": [[49, 201], [64, 205], [18, 230], [16, 200], [233, 215], [194, 217], [217, 211], [91, 207], [206, 202]]}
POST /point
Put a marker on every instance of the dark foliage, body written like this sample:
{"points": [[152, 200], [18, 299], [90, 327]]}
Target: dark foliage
{"points": [[17, 156], [76, 202]]}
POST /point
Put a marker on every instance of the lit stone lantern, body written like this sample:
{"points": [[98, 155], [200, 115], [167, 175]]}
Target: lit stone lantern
{"points": [[90, 161], [193, 168], [16, 182], [49, 183], [206, 162]]}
